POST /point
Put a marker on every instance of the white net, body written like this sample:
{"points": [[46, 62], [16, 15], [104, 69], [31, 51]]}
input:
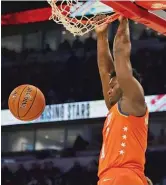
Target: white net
{"points": [[73, 14]]}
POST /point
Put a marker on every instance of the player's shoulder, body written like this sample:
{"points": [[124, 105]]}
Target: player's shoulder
{"points": [[118, 111]]}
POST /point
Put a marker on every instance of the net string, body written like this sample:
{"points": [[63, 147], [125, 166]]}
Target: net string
{"points": [[74, 25]]}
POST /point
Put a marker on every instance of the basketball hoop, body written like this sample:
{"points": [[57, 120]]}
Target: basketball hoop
{"points": [[78, 17]]}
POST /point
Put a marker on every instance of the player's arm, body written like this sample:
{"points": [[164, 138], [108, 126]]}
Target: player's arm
{"points": [[133, 94], [105, 61]]}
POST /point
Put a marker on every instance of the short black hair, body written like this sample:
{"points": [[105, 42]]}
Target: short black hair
{"points": [[136, 75]]}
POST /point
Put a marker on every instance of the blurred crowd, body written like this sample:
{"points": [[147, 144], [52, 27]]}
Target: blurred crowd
{"points": [[48, 174], [71, 74], [157, 140]]}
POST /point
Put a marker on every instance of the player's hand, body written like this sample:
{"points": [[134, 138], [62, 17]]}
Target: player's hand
{"points": [[103, 28], [123, 28], [122, 38], [122, 18]]}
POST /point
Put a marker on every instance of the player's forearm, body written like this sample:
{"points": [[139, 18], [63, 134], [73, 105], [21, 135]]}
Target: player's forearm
{"points": [[105, 60], [121, 50], [122, 63]]}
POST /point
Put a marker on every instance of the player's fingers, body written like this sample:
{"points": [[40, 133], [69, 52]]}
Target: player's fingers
{"points": [[122, 18], [100, 18]]}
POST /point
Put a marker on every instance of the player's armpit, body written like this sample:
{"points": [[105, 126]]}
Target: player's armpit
{"points": [[133, 101]]}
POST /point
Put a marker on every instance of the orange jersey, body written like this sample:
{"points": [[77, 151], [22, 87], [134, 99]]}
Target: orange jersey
{"points": [[124, 142]]}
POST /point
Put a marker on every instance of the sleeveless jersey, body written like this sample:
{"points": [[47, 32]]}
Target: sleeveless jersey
{"points": [[124, 142]]}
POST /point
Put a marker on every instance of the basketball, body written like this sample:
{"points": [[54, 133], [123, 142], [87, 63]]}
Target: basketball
{"points": [[26, 102]]}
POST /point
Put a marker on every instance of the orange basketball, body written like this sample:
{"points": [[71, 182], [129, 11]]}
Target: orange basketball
{"points": [[26, 102]]}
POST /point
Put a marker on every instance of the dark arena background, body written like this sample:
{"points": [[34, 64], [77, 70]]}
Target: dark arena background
{"points": [[62, 146]]}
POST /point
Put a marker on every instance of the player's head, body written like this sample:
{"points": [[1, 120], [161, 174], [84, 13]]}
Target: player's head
{"points": [[115, 92]]}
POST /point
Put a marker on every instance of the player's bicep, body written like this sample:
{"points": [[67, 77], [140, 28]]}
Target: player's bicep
{"points": [[105, 78]]}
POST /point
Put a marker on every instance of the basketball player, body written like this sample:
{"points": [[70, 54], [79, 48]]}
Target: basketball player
{"points": [[122, 156]]}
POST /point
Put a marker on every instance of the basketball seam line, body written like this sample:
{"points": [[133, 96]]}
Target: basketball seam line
{"points": [[31, 105], [38, 113], [10, 105], [11, 110], [19, 101], [13, 113]]}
